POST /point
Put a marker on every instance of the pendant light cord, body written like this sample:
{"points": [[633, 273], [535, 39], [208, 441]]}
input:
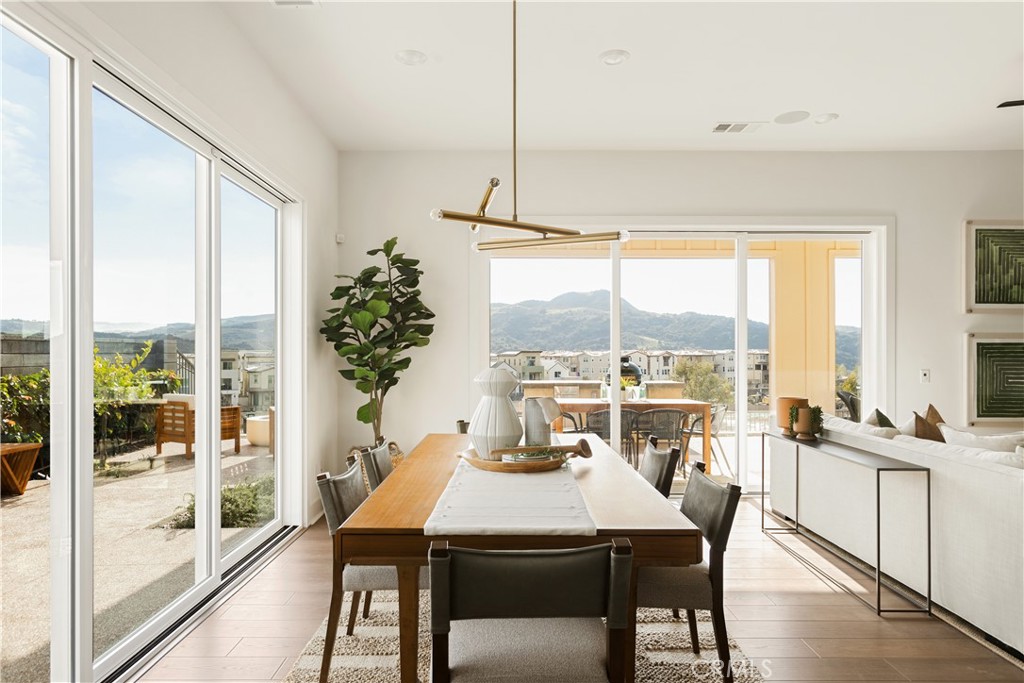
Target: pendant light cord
{"points": [[515, 122]]}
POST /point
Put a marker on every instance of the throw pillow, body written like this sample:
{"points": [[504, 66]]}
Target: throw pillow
{"points": [[878, 419], [908, 428], [1006, 443], [932, 416], [923, 429]]}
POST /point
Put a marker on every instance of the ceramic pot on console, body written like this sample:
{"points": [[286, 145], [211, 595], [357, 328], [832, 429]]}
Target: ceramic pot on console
{"points": [[782, 406], [495, 423]]}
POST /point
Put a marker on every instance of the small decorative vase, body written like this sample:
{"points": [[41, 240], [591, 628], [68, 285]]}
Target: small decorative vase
{"points": [[495, 423], [802, 426], [782, 406]]}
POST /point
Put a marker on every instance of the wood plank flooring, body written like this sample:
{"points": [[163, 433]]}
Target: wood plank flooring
{"points": [[796, 626]]}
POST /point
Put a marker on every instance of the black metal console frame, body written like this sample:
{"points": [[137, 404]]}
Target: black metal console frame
{"points": [[794, 528]]}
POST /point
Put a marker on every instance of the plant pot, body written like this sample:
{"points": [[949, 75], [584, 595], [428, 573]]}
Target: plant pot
{"points": [[782, 406], [803, 427]]}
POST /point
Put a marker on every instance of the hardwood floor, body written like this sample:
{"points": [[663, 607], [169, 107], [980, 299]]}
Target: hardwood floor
{"points": [[796, 626]]}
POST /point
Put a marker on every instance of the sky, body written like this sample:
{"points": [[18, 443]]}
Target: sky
{"points": [[144, 213]]}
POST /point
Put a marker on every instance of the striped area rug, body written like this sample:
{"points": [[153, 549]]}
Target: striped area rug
{"points": [[371, 654]]}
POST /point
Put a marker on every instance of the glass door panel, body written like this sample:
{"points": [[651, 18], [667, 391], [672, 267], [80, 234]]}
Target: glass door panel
{"points": [[550, 325], [26, 331], [678, 325], [144, 308], [248, 364]]}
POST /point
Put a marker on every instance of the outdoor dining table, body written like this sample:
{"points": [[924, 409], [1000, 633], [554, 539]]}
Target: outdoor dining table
{"points": [[588, 405], [388, 529]]}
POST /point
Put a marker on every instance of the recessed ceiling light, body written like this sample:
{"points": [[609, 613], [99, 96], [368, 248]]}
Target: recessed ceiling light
{"points": [[614, 57], [793, 117], [411, 57], [826, 118]]}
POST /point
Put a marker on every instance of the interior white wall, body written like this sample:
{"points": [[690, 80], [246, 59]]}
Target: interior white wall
{"points": [[929, 194], [192, 53]]}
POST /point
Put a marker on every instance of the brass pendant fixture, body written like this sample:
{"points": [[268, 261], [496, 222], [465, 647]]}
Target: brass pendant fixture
{"points": [[549, 235]]}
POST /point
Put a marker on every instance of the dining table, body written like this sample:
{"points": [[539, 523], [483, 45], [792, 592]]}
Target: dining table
{"points": [[691, 406], [389, 527]]}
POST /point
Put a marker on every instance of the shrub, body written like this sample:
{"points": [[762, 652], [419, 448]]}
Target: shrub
{"points": [[248, 504]]}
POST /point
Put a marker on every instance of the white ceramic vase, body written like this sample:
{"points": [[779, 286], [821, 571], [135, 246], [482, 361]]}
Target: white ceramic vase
{"points": [[495, 423]]}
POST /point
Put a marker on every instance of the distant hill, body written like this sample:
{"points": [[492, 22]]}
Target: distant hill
{"points": [[578, 321], [245, 333]]}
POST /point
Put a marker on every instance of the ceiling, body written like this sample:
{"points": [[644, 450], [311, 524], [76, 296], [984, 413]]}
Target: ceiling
{"points": [[901, 76]]}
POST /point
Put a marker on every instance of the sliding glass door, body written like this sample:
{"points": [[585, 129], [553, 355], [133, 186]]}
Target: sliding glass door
{"points": [[731, 320]]}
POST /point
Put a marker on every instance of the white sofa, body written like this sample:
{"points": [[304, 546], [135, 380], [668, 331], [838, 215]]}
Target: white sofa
{"points": [[977, 519]]}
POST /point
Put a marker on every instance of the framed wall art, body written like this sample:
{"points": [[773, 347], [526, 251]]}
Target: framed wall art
{"points": [[993, 266], [995, 379]]}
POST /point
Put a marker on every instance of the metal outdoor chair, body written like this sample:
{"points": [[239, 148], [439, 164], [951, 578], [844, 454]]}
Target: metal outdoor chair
{"points": [[852, 404], [667, 424], [697, 431], [529, 615], [599, 422], [712, 508]]}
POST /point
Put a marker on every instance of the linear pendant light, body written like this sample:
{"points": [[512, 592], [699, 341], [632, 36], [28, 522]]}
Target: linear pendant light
{"points": [[549, 235]]}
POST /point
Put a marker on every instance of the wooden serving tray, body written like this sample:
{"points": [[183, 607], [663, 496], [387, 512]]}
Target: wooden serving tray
{"points": [[525, 466]]}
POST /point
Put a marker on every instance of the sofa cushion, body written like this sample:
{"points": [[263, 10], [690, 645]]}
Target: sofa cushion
{"points": [[925, 429], [878, 419], [990, 442], [961, 453], [838, 424], [932, 416]]}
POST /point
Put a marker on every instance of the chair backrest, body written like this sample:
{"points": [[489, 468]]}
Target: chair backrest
{"points": [[658, 467], [341, 495], [718, 418], [495, 584], [664, 423], [377, 462], [852, 404], [599, 422], [711, 507]]}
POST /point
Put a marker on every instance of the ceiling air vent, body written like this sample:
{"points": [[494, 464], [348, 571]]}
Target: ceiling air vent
{"points": [[737, 127]]}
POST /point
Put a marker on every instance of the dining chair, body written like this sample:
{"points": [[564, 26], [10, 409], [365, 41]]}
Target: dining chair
{"points": [[340, 496], [852, 404], [712, 508], [697, 430], [377, 463], [659, 467], [529, 615]]}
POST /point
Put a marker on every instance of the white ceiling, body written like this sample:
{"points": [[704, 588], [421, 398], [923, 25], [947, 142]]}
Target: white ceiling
{"points": [[901, 76]]}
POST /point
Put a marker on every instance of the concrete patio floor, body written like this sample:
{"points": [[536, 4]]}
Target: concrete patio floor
{"points": [[140, 565]]}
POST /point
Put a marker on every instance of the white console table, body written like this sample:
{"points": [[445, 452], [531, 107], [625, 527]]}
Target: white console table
{"points": [[880, 465]]}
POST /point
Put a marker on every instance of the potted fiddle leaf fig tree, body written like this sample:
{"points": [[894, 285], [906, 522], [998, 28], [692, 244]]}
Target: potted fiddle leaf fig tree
{"points": [[380, 317]]}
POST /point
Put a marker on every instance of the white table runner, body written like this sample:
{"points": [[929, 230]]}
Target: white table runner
{"points": [[478, 503]]}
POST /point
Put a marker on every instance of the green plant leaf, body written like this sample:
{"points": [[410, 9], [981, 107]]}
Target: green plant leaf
{"points": [[363, 321], [389, 246], [378, 307], [367, 412]]}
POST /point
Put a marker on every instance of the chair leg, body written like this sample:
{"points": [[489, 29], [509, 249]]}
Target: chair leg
{"points": [[333, 617], [722, 640], [723, 462], [691, 616], [366, 604], [353, 613]]}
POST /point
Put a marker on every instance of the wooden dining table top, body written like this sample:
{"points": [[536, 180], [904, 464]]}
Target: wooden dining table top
{"points": [[618, 499]]}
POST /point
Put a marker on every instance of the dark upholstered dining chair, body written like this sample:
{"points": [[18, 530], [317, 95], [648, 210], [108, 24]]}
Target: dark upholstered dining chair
{"points": [[340, 496], [712, 508], [659, 467], [529, 615], [377, 463]]}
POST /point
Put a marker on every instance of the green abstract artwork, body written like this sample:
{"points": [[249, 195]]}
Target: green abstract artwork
{"points": [[999, 382], [999, 266]]}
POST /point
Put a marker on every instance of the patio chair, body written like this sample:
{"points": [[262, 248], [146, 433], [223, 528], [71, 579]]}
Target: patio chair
{"points": [[340, 496], [598, 422], [667, 424], [176, 423], [529, 615], [712, 508], [852, 404], [697, 430]]}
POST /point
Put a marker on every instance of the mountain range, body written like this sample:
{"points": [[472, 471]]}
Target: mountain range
{"points": [[579, 321]]}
